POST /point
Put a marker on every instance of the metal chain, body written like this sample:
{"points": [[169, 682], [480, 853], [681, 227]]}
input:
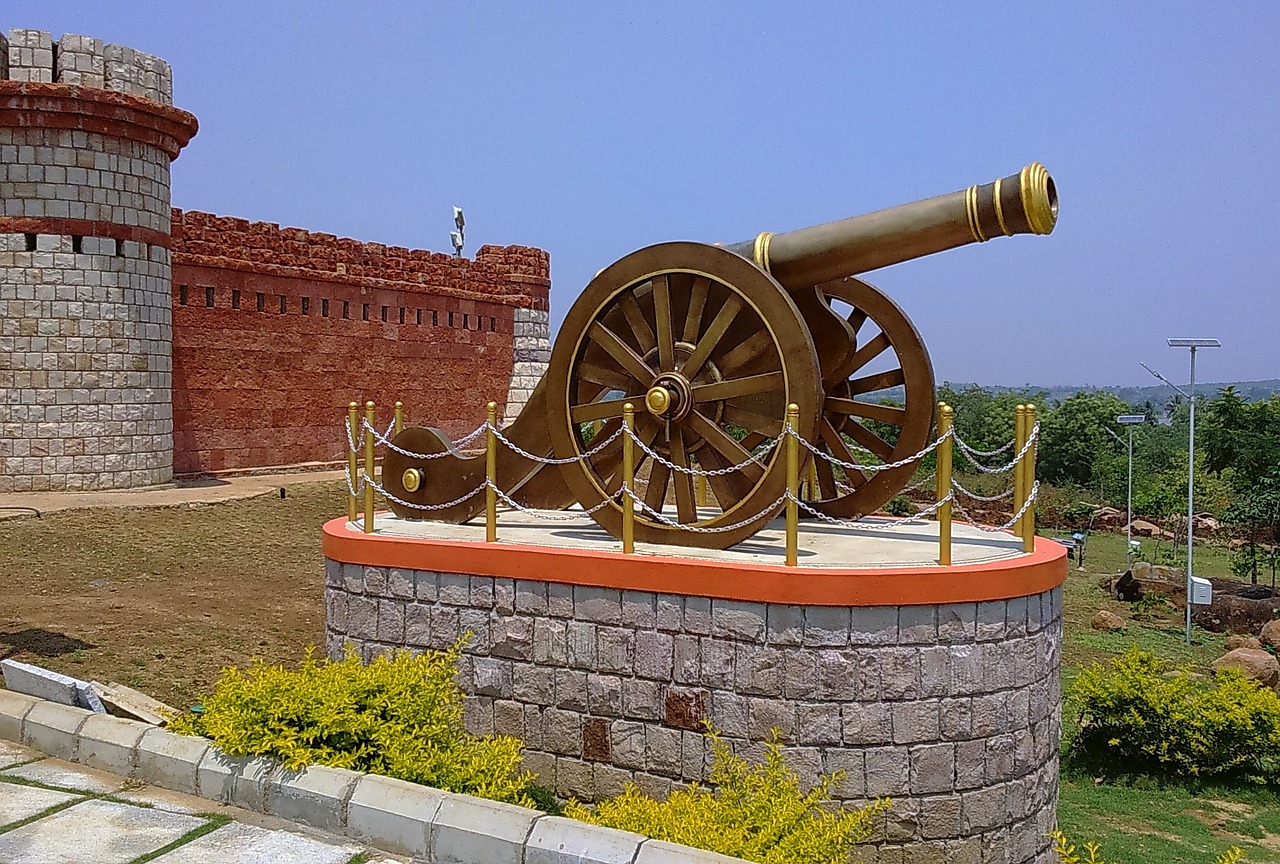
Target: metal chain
{"points": [[788, 430], [378, 487], [538, 514], [972, 451], [385, 440], [867, 526], [355, 490], [715, 472], [1031, 440], [968, 517], [698, 529], [511, 445], [955, 484]]}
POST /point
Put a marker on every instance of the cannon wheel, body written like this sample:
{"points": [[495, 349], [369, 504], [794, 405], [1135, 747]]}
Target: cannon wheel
{"points": [[708, 348], [887, 340]]}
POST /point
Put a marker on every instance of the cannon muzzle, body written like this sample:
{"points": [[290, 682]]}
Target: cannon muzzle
{"points": [[1022, 203]]}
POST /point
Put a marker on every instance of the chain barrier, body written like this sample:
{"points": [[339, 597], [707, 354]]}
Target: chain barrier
{"points": [[385, 440], [699, 529], [868, 526], [515, 448], [966, 516], [754, 458], [1031, 440], [539, 514], [955, 484], [853, 466], [973, 451], [377, 487]]}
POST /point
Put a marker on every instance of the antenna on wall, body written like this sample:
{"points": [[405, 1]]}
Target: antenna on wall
{"points": [[457, 236]]}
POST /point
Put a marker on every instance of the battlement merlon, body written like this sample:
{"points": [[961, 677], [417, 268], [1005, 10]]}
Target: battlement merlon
{"points": [[86, 61]]}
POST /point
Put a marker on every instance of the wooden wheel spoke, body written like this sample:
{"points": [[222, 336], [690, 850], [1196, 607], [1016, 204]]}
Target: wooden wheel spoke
{"points": [[603, 410], [827, 487], [609, 467], [730, 488], [726, 446], [711, 339], [659, 479], [734, 387], [746, 351], [610, 378], [771, 427], [880, 381], [686, 509], [697, 302], [841, 451], [869, 352], [637, 322], [631, 362], [870, 440], [856, 319], [662, 316], [894, 414]]}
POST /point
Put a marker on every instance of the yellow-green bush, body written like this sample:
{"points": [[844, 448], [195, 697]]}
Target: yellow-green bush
{"points": [[400, 716], [756, 812], [1139, 715], [1092, 852]]}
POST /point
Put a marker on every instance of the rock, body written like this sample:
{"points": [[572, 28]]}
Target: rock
{"points": [[1254, 663], [1232, 614], [1126, 588], [1108, 621], [1206, 524], [1236, 640], [1270, 635], [1169, 574], [1143, 528], [1107, 517]]}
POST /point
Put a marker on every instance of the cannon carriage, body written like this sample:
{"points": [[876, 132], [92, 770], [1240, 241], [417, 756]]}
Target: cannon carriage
{"points": [[711, 344]]}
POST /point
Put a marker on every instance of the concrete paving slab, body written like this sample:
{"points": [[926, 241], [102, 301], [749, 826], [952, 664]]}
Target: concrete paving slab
{"points": [[12, 754], [872, 546], [245, 844], [100, 831], [41, 683], [18, 802], [55, 772]]}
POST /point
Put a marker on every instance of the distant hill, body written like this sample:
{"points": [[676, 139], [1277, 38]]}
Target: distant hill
{"points": [[1157, 393]]}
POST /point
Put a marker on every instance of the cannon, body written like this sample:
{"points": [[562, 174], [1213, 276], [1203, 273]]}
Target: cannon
{"points": [[710, 344]]}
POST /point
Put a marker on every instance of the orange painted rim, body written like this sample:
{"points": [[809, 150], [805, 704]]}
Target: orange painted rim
{"points": [[1035, 573]]}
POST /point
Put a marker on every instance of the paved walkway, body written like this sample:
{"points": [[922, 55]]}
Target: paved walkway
{"points": [[53, 812], [14, 504]]}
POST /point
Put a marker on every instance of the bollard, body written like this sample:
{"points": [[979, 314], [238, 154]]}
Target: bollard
{"points": [[353, 461], [491, 474], [368, 468], [1028, 483], [399, 422], [793, 486], [628, 480], [945, 415], [1019, 478]]}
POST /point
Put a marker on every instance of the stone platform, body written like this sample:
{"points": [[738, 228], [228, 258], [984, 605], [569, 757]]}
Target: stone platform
{"points": [[935, 686]]}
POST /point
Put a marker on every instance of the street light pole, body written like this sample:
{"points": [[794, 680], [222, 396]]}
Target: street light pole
{"points": [[1129, 420]]}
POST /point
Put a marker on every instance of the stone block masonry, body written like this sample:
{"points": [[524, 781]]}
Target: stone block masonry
{"points": [[532, 351], [950, 710], [34, 55]]}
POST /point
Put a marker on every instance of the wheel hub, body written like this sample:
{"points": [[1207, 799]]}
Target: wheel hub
{"points": [[670, 398]]}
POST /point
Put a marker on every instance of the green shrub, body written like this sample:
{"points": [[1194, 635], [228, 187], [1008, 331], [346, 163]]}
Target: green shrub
{"points": [[1067, 853], [1138, 715], [401, 716], [900, 505], [757, 812]]}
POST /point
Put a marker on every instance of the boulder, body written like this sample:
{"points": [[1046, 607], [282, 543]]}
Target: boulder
{"points": [[1143, 528], [1270, 635], [1236, 640], [1259, 665], [1108, 621], [1125, 587]]}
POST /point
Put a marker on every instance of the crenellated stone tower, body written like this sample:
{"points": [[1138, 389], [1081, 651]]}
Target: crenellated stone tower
{"points": [[87, 134]]}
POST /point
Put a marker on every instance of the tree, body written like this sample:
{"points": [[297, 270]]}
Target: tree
{"points": [[1072, 436]]}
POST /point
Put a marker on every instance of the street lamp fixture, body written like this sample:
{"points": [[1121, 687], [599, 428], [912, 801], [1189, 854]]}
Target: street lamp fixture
{"points": [[1193, 343], [458, 237]]}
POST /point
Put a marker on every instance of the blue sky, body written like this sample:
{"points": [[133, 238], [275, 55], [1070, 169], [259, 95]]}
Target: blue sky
{"points": [[591, 129]]}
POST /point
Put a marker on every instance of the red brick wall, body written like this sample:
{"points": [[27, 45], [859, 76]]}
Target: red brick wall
{"points": [[256, 386]]}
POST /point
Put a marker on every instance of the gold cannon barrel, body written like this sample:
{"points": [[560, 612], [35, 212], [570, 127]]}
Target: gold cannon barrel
{"points": [[1022, 203]]}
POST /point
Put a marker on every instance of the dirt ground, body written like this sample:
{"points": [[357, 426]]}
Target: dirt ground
{"points": [[163, 598]]}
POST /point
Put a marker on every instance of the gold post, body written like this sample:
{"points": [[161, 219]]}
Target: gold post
{"points": [[1028, 482], [368, 468], [945, 414], [353, 461], [399, 427], [491, 474], [1019, 440], [793, 485], [628, 479]]}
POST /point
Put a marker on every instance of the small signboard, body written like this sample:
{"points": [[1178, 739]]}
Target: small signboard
{"points": [[1201, 591]]}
